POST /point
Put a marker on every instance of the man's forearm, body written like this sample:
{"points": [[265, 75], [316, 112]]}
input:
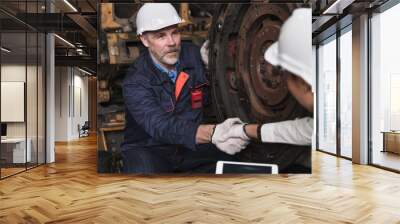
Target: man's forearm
{"points": [[204, 133], [296, 132], [251, 131]]}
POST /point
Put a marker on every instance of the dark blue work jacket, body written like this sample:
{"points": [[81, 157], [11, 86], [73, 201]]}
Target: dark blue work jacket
{"points": [[154, 117]]}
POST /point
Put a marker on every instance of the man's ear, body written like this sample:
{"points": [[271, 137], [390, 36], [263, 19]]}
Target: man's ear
{"points": [[144, 40]]}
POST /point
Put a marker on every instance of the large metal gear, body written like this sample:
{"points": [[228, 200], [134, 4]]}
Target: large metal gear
{"points": [[245, 85]]}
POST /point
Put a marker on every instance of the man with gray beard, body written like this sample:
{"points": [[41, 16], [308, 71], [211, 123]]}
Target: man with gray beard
{"points": [[165, 91]]}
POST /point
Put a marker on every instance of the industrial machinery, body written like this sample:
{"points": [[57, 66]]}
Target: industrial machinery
{"points": [[243, 84], [247, 86]]}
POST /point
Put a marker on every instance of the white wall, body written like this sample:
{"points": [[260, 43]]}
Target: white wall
{"points": [[33, 127], [61, 103], [71, 93], [13, 73], [81, 100]]}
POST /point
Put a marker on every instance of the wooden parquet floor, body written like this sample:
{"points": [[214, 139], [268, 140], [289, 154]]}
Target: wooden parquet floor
{"points": [[71, 191]]}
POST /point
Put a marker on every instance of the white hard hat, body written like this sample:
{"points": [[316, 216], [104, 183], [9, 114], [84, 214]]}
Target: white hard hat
{"points": [[155, 16], [293, 50]]}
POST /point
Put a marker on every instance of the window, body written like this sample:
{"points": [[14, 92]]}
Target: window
{"points": [[327, 96], [346, 93], [22, 75], [385, 87]]}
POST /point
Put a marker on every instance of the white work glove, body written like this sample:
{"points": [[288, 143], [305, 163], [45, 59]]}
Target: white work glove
{"points": [[232, 145], [237, 131], [204, 52], [223, 140]]}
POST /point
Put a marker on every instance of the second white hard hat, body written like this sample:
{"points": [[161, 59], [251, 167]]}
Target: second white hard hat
{"points": [[293, 50], [155, 16]]}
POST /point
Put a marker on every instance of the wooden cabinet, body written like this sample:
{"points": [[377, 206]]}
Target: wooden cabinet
{"points": [[391, 142]]}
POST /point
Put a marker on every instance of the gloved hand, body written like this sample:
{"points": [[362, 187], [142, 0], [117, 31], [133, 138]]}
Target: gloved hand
{"points": [[221, 130], [232, 145], [204, 52], [223, 140], [237, 131]]}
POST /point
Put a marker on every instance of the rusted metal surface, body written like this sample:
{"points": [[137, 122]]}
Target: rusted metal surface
{"points": [[266, 91], [244, 84]]}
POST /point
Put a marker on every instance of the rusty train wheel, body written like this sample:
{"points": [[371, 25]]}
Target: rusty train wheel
{"points": [[243, 84]]}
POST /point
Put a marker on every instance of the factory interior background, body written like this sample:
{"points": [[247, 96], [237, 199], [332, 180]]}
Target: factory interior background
{"points": [[62, 116], [119, 47]]}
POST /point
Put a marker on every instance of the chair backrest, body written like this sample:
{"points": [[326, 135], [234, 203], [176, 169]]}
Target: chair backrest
{"points": [[86, 125]]}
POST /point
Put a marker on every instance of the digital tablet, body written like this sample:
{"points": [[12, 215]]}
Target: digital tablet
{"points": [[228, 167]]}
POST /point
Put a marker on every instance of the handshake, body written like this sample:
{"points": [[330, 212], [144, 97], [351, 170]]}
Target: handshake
{"points": [[229, 136]]}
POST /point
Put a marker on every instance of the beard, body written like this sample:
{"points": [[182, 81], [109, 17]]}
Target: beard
{"points": [[169, 57]]}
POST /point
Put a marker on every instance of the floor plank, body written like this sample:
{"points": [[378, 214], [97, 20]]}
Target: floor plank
{"points": [[71, 191]]}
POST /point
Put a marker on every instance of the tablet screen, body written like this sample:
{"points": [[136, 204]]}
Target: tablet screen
{"points": [[239, 168]]}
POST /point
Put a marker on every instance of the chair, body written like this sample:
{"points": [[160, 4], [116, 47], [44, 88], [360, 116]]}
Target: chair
{"points": [[84, 130]]}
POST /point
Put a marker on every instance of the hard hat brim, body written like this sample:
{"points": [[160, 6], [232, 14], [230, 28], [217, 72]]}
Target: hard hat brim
{"points": [[154, 29], [271, 54]]}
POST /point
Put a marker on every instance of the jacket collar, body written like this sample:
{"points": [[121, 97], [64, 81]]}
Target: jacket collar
{"points": [[156, 76]]}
